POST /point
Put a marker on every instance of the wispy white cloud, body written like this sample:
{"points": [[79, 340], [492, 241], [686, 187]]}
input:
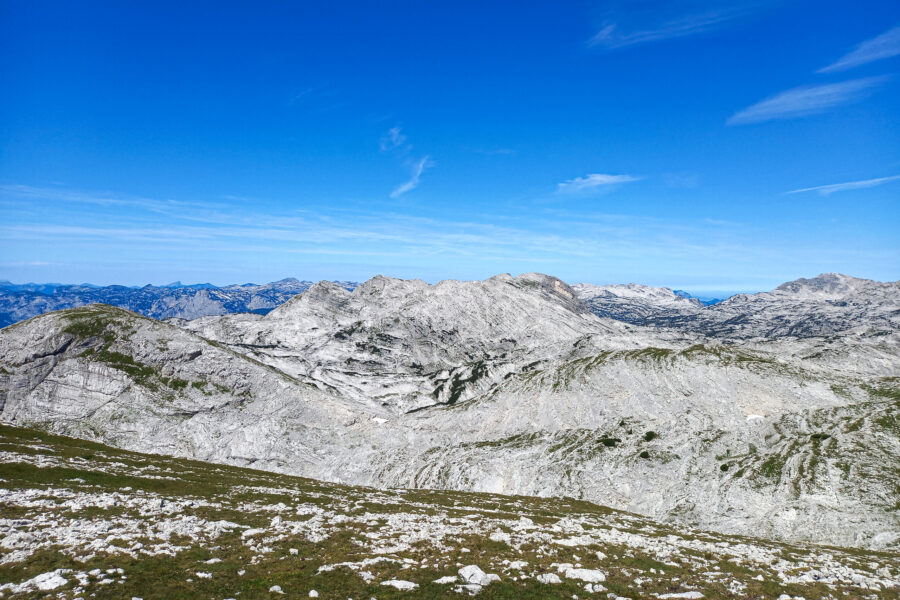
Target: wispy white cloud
{"points": [[418, 167], [106, 199], [317, 99], [885, 45], [395, 140], [826, 190], [614, 35], [333, 240], [362, 234], [592, 182], [806, 100], [630, 22], [26, 263], [391, 140]]}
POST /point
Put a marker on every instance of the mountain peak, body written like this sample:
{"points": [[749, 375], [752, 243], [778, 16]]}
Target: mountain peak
{"points": [[823, 286]]}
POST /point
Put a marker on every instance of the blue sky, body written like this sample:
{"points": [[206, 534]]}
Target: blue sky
{"points": [[707, 146]]}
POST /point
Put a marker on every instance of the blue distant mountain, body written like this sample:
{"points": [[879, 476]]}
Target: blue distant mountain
{"points": [[197, 286], [174, 300], [704, 300]]}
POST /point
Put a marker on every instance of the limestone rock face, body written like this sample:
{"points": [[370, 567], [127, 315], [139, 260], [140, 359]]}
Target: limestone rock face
{"points": [[771, 414]]}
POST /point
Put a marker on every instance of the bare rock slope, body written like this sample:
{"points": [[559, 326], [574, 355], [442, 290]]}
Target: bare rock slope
{"points": [[184, 529], [773, 414]]}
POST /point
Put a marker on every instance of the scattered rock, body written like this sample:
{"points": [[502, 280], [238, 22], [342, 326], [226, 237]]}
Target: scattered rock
{"points": [[400, 584], [473, 574], [589, 575]]}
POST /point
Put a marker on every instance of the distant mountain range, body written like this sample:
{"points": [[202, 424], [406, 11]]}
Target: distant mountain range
{"points": [[174, 300]]}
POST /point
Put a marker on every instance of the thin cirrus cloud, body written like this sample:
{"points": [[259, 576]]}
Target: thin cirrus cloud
{"points": [[826, 190], [631, 22], [557, 240], [594, 181], [613, 35], [324, 237], [806, 100], [885, 45], [418, 167], [394, 138]]}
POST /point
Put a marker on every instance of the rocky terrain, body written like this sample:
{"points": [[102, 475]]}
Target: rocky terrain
{"points": [[23, 301], [771, 414], [828, 304], [81, 520]]}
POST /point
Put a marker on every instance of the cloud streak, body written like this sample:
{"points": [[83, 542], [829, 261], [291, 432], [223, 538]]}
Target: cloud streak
{"points": [[592, 182], [556, 239], [806, 100], [826, 190], [613, 36], [885, 45], [418, 168], [329, 242]]}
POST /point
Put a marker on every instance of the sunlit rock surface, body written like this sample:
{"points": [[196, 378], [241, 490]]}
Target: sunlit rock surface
{"points": [[771, 414]]}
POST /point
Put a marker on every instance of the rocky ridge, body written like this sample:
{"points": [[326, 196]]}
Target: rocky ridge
{"points": [[829, 304], [510, 385]]}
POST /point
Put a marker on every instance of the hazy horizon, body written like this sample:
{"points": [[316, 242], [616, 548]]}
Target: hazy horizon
{"points": [[695, 292]]}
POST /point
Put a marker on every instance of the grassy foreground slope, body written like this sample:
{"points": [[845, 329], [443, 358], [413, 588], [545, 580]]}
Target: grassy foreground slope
{"points": [[82, 520]]}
